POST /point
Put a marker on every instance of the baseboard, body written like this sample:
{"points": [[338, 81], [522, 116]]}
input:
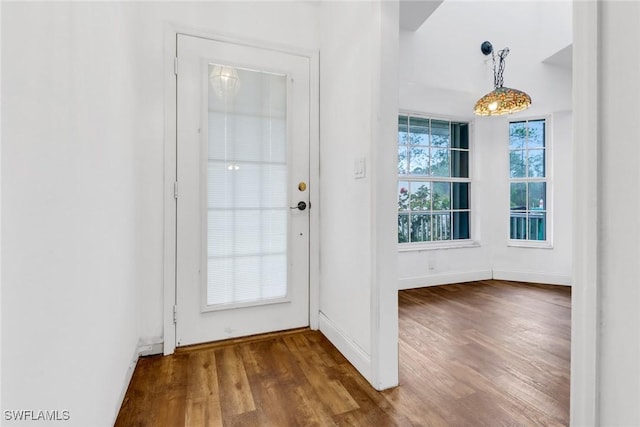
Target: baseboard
{"points": [[532, 277], [127, 381], [349, 349], [443, 279], [151, 348], [142, 349]]}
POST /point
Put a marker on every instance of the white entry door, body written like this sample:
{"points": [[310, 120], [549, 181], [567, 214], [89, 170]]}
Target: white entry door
{"points": [[242, 241]]}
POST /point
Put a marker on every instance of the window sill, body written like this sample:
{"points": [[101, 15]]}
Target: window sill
{"points": [[419, 247], [529, 244]]}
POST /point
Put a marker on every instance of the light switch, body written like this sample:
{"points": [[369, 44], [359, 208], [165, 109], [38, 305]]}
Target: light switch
{"points": [[360, 168]]}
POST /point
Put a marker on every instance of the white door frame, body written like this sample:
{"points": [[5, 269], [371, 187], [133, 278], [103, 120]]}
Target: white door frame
{"points": [[170, 141], [585, 305]]}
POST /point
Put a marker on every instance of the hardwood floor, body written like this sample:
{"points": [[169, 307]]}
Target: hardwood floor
{"points": [[488, 353]]}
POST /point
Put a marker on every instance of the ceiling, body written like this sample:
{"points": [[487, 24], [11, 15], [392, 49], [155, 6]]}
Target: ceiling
{"points": [[562, 58], [441, 60], [413, 13]]}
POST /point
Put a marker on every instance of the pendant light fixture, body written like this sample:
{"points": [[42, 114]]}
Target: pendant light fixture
{"points": [[502, 100]]}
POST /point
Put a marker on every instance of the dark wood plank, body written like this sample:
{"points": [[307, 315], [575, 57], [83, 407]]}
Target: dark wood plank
{"points": [[236, 398], [203, 397], [488, 353]]}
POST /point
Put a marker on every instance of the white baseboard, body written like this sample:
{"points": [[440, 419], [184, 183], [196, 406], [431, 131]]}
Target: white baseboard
{"points": [[532, 277], [349, 349], [144, 348], [150, 349], [443, 279], [127, 381]]}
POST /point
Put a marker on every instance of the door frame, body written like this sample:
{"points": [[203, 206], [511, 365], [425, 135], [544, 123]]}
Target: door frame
{"points": [[586, 290], [170, 148]]}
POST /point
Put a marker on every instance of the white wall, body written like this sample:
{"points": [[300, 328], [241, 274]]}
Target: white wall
{"points": [[82, 194], [357, 113], [549, 265], [605, 335], [71, 234], [82, 178], [445, 51], [384, 302], [345, 268], [619, 237], [444, 76], [441, 266], [1, 116], [585, 311], [284, 24]]}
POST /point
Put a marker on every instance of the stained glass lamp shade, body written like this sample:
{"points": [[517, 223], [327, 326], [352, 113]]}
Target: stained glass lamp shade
{"points": [[501, 100]]}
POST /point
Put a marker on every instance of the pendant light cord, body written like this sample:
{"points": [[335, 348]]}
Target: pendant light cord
{"points": [[498, 79]]}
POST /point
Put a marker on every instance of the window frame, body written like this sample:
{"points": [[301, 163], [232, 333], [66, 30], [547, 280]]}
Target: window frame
{"points": [[451, 243], [547, 179]]}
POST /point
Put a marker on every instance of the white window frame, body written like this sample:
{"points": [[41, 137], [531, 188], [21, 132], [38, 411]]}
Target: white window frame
{"points": [[548, 179], [444, 244]]}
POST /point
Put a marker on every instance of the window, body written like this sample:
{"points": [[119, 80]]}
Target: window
{"points": [[528, 180], [433, 180]]}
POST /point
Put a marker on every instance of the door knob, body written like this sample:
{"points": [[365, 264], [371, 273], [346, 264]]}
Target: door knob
{"points": [[301, 206]]}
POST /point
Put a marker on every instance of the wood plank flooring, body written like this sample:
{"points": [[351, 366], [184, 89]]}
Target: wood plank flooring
{"points": [[488, 353]]}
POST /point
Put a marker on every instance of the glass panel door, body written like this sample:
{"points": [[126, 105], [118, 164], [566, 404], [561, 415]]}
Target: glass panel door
{"points": [[242, 157], [247, 200]]}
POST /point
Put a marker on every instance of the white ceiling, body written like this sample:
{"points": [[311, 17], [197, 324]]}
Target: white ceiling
{"points": [[443, 52], [413, 13], [562, 58]]}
